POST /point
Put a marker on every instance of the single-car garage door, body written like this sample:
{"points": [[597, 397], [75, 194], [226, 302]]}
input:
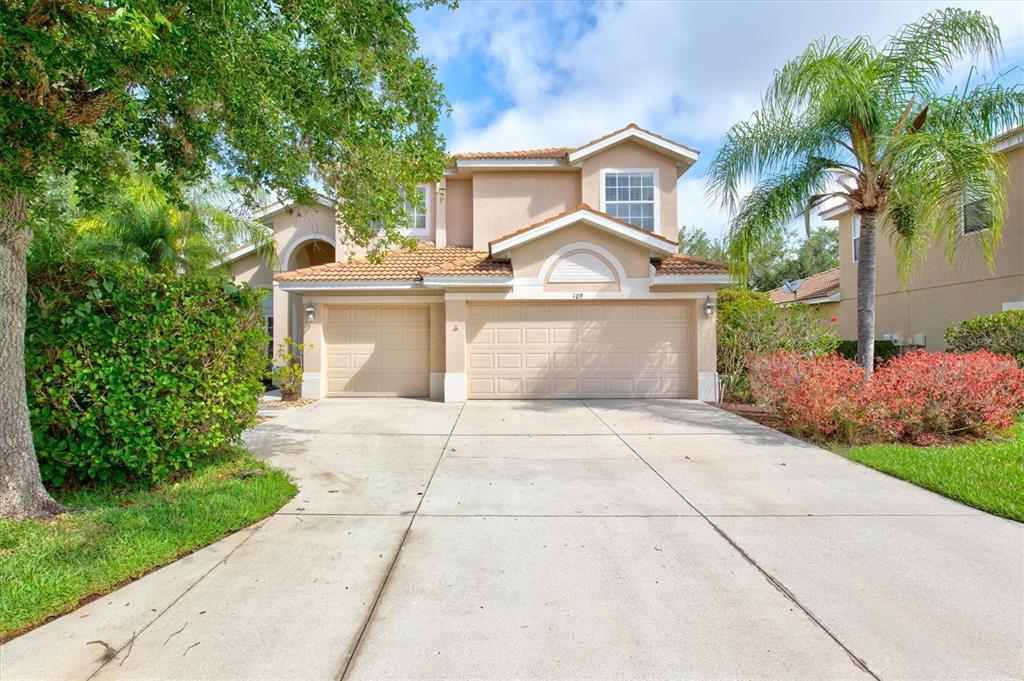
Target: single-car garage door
{"points": [[377, 350], [585, 349]]}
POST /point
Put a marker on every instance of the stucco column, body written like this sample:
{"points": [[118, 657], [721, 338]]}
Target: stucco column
{"points": [[437, 356], [455, 315], [280, 320], [312, 355], [703, 341]]}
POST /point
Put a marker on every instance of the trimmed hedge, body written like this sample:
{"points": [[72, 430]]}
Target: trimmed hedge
{"points": [[884, 350], [1001, 333], [138, 376]]}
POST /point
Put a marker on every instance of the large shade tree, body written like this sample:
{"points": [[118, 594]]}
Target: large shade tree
{"points": [[278, 95], [853, 123]]}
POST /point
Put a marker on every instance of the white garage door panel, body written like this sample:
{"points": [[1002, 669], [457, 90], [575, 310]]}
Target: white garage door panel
{"points": [[578, 350], [377, 350]]}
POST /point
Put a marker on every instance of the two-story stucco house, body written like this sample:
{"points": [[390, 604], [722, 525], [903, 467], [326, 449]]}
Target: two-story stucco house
{"points": [[916, 313], [541, 273]]}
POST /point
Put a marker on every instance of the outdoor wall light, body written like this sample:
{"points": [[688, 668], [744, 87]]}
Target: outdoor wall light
{"points": [[709, 306], [310, 312]]}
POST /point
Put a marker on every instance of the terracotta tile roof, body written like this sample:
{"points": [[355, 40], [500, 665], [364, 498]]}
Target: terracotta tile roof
{"points": [[476, 265], [403, 265], [815, 286], [675, 265], [560, 152], [546, 152], [563, 214]]}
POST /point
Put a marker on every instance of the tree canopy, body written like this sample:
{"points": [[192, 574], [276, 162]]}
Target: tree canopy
{"points": [[284, 96], [872, 127]]}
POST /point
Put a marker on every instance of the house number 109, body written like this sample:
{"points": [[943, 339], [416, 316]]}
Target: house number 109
{"points": [[577, 296]]}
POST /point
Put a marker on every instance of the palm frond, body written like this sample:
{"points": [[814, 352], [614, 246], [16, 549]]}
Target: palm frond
{"points": [[986, 110], [924, 51]]}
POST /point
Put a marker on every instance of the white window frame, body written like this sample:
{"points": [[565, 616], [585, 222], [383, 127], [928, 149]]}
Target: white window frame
{"points": [[657, 194], [855, 235], [410, 231]]}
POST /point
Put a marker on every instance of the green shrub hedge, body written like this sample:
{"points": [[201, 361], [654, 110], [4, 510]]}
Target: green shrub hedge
{"points": [[1001, 333], [884, 350], [750, 324], [138, 376]]}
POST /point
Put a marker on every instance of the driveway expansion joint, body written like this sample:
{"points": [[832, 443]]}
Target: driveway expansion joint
{"points": [[789, 595], [398, 552]]}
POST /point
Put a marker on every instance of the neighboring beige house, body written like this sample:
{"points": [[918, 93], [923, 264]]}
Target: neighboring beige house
{"points": [[820, 291], [542, 273], [939, 293]]}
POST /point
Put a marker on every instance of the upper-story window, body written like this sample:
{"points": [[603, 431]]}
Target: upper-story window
{"points": [[629, 196], [974, 215], [856, 237], [418, 212]]}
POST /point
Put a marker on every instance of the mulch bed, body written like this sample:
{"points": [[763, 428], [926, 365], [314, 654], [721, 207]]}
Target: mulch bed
{"points": [[282, 404], [752, 412]]}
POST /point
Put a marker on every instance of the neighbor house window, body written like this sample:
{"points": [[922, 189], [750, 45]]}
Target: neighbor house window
{"points": [[417, 211], [975, 215], [856, 237], [629, 196]]}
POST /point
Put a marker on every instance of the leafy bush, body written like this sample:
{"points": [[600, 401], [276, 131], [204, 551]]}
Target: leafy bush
{"points": [[916, 397], [750, 324], [1001, 333], [138, 376], [815, 397], [288, 374], [926, 394], [884, 350]]}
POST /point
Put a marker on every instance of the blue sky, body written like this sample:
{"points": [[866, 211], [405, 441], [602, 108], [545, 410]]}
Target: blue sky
{"points": [[532, 74]]}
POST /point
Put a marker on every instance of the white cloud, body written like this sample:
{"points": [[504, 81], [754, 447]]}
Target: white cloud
{"points": [[561, 74]]}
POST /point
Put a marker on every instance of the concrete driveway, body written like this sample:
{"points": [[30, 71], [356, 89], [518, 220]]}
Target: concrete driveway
{"points": [[562, 539]]}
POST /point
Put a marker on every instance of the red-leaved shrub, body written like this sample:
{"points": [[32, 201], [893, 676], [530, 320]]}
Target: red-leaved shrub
{"points": [[922, 395], [816, 397], [917, 397]]}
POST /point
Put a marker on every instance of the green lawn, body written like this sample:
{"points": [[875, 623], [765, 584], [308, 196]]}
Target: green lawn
{"points": [[49, 567], [986, 474]]}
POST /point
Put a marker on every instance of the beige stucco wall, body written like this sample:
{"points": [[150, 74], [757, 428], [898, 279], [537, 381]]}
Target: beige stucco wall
{"points": [[296, 223], [459, 212], [939, 293], [632, 156], [504, 202], [253, 270], [528, 259]]}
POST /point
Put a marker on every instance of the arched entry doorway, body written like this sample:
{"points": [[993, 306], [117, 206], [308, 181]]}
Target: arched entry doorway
{"points": [[313, 252]]}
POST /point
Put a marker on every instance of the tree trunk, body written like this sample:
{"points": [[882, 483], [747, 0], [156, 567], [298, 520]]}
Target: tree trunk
{"points": [[21, 490], [866, 293]]}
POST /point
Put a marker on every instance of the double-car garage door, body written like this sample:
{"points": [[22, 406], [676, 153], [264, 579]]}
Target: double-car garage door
{"points": [[517, 350]]}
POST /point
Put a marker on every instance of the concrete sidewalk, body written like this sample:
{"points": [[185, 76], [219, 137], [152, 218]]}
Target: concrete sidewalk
{"points": [[558, 539]]}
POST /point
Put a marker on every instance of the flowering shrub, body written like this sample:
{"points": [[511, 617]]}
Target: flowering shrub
{"points": [[916, 397], [1002, 333]]}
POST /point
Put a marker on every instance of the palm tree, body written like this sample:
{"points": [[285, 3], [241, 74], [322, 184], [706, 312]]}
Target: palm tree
{"points": [[143, 226], [868, 126]]}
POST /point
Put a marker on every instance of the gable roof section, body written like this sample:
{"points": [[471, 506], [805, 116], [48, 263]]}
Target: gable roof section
{"points": [[821, 285], [656, 243], [566, 156], [277, 206], [404, 265], [634, 133]]}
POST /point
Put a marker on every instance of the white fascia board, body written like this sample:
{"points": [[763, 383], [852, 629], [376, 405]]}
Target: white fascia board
{"points": [[481, 163], [664, 279], [450, 282], [590, 218], [278, 206], [1010, 141], [237, 254], [633, 133], [835, 213], [368, 285], [834, 298]]}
